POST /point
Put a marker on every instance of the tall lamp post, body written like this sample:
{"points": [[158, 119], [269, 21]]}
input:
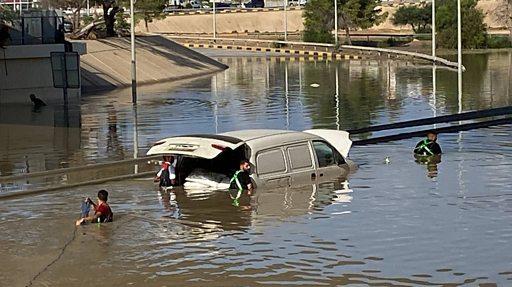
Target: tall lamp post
{"points": [[434, 29], [336, 22], [434, 84], [214, 22], [459, 55], [132, 42], [285, 4]]}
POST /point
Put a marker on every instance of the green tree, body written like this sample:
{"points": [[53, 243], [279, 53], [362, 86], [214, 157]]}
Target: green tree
{"points": [[147, 10], [352, 14], [474, 31], [318, 21], [418, 17], [7, 15]]}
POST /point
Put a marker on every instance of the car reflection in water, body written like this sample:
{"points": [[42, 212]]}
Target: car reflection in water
{"points": [[214, 211]]}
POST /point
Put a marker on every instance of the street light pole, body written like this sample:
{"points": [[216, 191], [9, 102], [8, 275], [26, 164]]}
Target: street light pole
{"points": [[285, 20], [459, 54], [132, 40], [434, 30], [336, 22], [214, 21], [88, 8]]}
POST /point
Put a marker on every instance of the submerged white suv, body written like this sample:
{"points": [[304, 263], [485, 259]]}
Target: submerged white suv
{"points": [[279, 158]]}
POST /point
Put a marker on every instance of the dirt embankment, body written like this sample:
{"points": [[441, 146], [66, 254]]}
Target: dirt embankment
{"points": [[107, 64], [273, 21]]}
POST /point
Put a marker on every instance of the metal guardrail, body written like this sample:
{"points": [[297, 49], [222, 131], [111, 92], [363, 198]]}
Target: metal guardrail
{"points": [[440, 60], [436, 120], [66, 178], [73, 169]]}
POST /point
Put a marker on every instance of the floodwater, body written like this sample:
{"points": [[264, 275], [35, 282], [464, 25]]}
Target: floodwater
{"points": [[395, 224]]}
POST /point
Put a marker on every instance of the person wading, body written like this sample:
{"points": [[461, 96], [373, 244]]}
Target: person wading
{"points": [[241, 181], [102, 211], [428, 146]]}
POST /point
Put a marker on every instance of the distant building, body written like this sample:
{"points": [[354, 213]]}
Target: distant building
{"points": [[25, 4], [26, 61]]}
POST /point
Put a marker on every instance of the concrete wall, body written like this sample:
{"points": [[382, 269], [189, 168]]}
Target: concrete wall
{"points": [[107, 64], [26, 69]]}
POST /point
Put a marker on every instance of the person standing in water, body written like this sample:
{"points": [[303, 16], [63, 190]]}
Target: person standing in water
{"points": [[241, 180], [102, 211], [166, 176], [428, 146]]}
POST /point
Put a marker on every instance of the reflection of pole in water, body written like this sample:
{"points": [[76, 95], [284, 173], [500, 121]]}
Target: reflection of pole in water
{"points": [[268, 74], [508, 76], [337, 96], [300, 78], [391, 82], [216, 103], [490, 88], [312, 198], [135, 139], [287, 103], [434, 91]]}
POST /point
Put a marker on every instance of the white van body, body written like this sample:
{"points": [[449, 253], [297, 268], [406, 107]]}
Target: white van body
{"points": [[279, 158]]}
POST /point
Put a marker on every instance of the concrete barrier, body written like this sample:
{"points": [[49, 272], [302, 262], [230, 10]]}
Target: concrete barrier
{"points": [[107, 63], [306, 49]]}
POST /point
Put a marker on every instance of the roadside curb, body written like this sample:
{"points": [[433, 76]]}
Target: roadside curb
{"points": [[228, 11], [284, 51]]}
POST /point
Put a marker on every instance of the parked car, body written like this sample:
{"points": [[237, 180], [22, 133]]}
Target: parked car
{"points": [[297, 2], [195, 4], [222, 5], [254, 4], [278, 158]]}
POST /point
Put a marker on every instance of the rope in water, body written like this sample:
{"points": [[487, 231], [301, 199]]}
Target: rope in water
{"points": [[54, 260]]}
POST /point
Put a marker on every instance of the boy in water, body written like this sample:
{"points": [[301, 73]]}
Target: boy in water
{"points": [[102, 211]]}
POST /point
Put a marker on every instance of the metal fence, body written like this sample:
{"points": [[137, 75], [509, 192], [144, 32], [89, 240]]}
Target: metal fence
{"points": [[43, 27]]}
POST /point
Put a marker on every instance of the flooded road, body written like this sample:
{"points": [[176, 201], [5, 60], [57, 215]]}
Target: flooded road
{"points": [[396, 224]]}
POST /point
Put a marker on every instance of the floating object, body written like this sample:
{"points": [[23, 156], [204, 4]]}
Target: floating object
{"points": [[315, 85], [386, 160]]}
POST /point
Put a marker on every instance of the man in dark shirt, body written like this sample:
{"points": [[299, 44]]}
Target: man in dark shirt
{"points": [[241, 180], [428, 146]]}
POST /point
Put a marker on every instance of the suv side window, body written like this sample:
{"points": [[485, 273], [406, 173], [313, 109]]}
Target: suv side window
{"points": [[270, 161], [326, 155], [300, 156]]}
